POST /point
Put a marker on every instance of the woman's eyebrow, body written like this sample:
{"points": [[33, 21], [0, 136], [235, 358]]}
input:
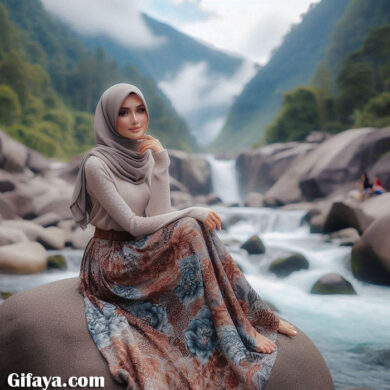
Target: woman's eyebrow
{"points": [[140, 105]]}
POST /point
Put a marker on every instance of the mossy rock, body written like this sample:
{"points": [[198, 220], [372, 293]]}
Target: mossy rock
{"points": [[366, 265], [253, 245], [56, 262], [332, 283], [5, 294], [284, 266]]}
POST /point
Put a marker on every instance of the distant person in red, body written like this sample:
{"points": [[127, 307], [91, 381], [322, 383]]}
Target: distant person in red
{"points": [[365, 186], [378, 186]]}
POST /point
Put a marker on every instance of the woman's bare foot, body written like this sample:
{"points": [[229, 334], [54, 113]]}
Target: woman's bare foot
{"points": [[264, 345], [286, 328]]}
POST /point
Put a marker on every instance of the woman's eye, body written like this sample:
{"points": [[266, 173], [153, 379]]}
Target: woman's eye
{"points": [[141, 110], [122, 113]]}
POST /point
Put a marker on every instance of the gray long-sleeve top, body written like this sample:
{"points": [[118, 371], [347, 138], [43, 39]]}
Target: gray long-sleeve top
{"points": [[139, 209]]}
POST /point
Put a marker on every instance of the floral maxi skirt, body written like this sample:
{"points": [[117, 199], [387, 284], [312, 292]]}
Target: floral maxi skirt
{"points": [[172, 310]]}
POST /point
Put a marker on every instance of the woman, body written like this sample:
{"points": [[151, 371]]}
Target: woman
{"points": [[365, 186], [165, 303]]}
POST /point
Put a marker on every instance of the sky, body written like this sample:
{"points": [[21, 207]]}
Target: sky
{"points": [[236, 26]]}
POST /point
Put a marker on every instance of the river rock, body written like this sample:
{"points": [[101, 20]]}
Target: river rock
{"points": [[337, 161], [70, 171], [382, 169], [358, 215], [13, 154], [23, 258], [7, 181], [7, 210], [52, 237], [46, 220], [253, 245], [346, 237], [258, 169], [191, 170], [37, 163], [175, 185], [79, 238], [370, 257], [64, 341], [285, 266], [56, 262], [254, 199], [58, 205], [181, 199], [332, 283], [21, 203], [9, 235]]}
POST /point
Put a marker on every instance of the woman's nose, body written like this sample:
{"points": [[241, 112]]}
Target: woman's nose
{"points": [[134, 117]]}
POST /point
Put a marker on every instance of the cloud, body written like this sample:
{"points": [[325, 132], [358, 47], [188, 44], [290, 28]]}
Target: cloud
{"points": [[204, 98], [118, 19], [176, 12], [251, 28]]}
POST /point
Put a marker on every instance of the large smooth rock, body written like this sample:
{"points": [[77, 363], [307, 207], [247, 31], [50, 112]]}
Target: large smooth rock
{"points": [[355, 214], [336, 162], [38, 335], [370, 258], [258, 169], [23, 258], [192, 170]]}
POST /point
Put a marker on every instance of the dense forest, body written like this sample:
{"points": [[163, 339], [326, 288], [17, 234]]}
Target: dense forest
{"points": [[347, 91], [50, 84]]}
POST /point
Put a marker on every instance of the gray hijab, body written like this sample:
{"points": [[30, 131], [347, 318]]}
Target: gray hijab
{"points": [[118, 152]]}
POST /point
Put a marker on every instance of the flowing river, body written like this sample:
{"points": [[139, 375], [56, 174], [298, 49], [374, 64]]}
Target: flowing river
{"points": [[351, 331]]}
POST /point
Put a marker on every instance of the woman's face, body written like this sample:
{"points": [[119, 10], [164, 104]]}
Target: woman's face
{"points": [[132, 119]]}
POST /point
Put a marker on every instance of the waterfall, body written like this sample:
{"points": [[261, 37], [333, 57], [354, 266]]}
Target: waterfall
{"points": [[224, 179]]}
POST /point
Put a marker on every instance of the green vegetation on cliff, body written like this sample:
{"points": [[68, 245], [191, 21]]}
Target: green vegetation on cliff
{"points": [[362, 97], [50, 84]]}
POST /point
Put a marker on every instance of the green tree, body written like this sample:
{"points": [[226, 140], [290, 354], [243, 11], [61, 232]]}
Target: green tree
{"points": [[376, 113], [10, 110], [298, 117]]}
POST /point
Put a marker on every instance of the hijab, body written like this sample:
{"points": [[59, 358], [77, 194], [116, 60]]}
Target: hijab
{"points": [[118, 152]]}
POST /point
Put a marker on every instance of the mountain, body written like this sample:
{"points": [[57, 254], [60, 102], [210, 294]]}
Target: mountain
{"points": [[169, 57], [74, 77], [181, 64], [291, 64]]}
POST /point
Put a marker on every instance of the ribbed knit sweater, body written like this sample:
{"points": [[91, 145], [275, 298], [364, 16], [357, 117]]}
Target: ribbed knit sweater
{"points": [[139, 209]]}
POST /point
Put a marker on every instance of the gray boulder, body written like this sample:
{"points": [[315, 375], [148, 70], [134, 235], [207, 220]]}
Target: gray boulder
{"points": [[59, 344], [338, 161], [258, 169], [370, 257], [254, 199], [192, 170], [253, 245], [23, 258], [355, 214], [332, 283], [285, 266]]}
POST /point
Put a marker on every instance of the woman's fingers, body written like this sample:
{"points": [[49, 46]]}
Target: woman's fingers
{"points": [[213, 220]]}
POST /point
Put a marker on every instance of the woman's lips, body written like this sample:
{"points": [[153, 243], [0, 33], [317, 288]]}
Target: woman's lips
{"points": [[135, 129]]}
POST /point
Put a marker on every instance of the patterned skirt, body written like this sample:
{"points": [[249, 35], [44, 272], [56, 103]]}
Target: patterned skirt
{"points": [[172, 310]]}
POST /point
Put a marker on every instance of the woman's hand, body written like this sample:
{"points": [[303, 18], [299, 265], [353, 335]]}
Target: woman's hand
{"points": [[213, 220], [149, 142]]}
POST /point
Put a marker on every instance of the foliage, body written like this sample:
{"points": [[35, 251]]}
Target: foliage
{"points": [[10, 110], [50, 84], [299, 115]]}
